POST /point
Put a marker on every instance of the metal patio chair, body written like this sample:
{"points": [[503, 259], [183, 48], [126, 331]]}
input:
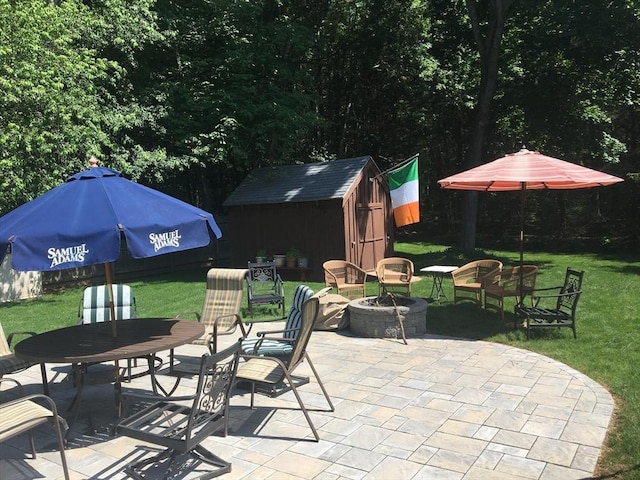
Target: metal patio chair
{"points": [[180, 424]]}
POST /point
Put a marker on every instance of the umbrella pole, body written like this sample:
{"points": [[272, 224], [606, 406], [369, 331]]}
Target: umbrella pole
{"points": [[112, 308], [522, 201]]}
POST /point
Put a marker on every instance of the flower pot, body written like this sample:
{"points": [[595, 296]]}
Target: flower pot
{"points": [[259, 259], [292, 262], [279, 260], [303, 262]]}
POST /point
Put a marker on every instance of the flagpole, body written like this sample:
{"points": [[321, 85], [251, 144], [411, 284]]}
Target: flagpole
{"points": [[401, 164]]}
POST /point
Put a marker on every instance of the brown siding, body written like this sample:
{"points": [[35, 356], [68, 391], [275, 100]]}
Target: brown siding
{"points": [[358, 228], [315, 228]]}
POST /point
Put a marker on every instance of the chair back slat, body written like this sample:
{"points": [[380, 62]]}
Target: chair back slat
{"points": [[573, 288], [4, 345], [216, 377], [223, 298]]}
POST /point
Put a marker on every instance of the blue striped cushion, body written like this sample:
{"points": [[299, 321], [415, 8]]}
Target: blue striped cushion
{"points": [[270, 348], [301, 294]]}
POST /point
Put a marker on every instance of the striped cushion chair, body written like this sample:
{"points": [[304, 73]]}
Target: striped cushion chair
{"points": [[282, 344], [94, 307]]}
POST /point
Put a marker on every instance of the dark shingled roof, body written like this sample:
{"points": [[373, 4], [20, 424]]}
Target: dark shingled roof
{"points": [[298, 183]]}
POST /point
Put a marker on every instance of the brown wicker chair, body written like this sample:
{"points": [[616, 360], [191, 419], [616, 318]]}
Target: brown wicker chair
{"points": [[347, 278], [499, 285], [468, 279], [395, 275]]}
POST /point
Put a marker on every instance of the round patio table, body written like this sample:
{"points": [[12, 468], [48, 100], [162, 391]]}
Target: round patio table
{"points": [[94, 343]]}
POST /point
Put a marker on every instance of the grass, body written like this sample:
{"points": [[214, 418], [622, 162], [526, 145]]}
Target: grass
{"points": [[607, 348]]}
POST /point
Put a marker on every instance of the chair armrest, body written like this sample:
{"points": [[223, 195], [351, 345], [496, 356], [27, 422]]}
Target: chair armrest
{"points": [[537, 298], [11, 335], [214, 333], [156, 398], [17, 383], [279, 287], [272, 332], [181, 315]]}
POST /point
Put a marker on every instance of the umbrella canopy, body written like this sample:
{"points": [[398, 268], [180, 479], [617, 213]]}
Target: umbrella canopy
{"points": [[80, 223], [526, 170]]}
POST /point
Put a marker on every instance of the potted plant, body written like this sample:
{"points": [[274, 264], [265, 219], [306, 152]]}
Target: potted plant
{"points": [[292, 257], [261, 255], [303, 261], [279, 259]]}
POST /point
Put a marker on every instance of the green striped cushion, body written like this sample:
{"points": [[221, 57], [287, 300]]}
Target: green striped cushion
{"points": [[95, 303]]}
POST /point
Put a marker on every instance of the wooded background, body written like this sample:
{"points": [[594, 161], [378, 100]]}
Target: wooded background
{"points": [[190, 96]]}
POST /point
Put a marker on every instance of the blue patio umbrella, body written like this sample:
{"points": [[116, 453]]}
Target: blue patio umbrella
{"points": [[82, 222]]}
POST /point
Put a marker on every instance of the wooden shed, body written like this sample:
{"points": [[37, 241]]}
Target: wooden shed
{"points": [[339, 209]]}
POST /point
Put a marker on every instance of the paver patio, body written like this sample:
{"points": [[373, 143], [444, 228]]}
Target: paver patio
{"points": [[437, 408]]}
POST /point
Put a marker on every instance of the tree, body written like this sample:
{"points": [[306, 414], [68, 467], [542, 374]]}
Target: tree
{"points": [[488, 19], [58, 100]]}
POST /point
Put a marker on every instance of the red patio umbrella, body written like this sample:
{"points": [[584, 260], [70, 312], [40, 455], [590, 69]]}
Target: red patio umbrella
{"points": [[526, 170]]}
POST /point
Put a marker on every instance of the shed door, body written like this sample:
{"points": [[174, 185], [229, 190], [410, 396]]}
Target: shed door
{"points": [[372, 241]]}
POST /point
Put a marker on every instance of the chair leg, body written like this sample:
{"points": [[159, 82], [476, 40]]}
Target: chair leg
{"points": [[57, 420], [45, 382], [324, 391], [302, 406]]}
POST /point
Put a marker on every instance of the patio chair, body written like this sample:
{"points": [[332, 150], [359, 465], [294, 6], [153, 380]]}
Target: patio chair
{"points": [[270, 372], [505, 283], [94, 308], [347, 278], [10, 363], [468, 279], [282, 345], [564, 303], [395, 275], [264, 286], [221, 309], [25, 413], [180, 424]]}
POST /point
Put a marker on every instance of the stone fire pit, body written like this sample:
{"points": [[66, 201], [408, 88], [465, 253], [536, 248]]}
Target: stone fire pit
{"points": [[377, 317]]}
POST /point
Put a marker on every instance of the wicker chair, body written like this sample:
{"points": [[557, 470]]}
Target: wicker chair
{"points": [[468, 279], [395, 275], [347, 278], [499, 285]]}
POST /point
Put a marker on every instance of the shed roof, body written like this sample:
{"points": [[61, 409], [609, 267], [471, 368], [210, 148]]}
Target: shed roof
{"points": [[298, 183]]}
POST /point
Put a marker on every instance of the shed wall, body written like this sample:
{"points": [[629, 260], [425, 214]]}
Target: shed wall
{"points": [[315, 228]]}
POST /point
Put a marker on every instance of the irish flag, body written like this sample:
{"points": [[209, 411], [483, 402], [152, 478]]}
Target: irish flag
{"points": [[403, 184]]}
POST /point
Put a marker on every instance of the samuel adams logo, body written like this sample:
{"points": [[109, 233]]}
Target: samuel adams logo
{"points": [[67, 254], [166, 239]]}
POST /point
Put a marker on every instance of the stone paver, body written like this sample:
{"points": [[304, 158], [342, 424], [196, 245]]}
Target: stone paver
{"points": [[437, 408]]}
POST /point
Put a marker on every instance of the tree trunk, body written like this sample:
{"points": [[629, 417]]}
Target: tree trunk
{"points": [[488, 43]]}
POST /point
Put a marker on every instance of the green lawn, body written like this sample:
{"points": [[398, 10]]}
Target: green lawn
{"points": [[607, 348]]}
